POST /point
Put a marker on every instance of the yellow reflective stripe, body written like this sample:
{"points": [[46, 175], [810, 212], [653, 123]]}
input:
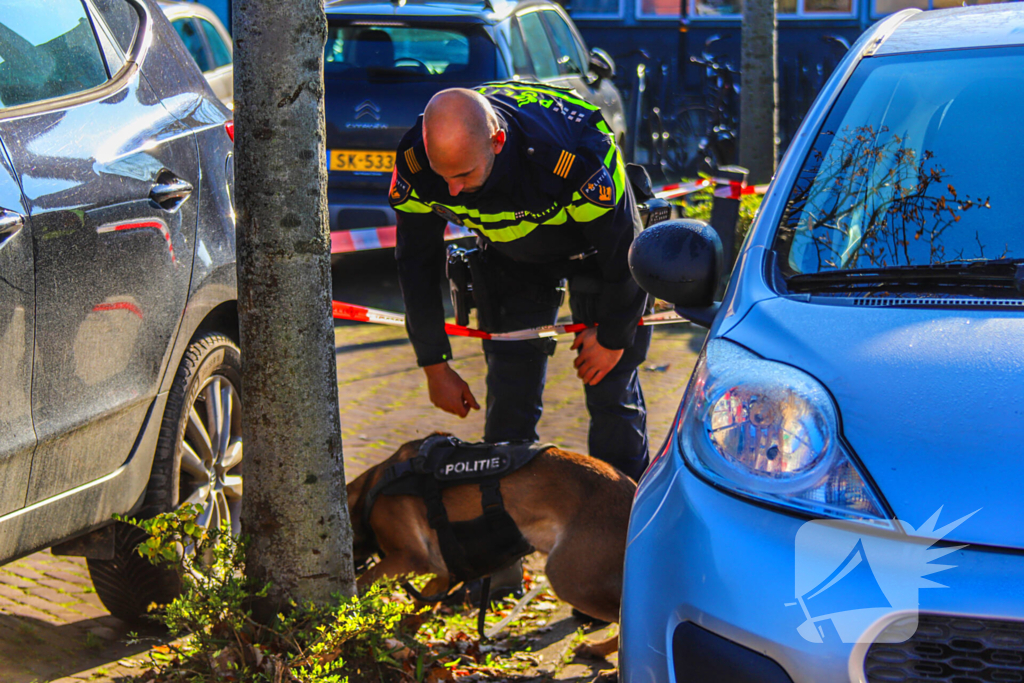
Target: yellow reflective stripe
{"points": [[603, 127], [413, 205], [514, 232], [619, 175], [586, 212], [553, 93]]}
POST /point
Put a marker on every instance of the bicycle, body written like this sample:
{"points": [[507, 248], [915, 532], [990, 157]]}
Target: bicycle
{"points": [[705, 133]]}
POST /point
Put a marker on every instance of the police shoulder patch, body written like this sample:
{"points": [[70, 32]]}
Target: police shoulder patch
{"points": [[400, 188], [600, 188]]}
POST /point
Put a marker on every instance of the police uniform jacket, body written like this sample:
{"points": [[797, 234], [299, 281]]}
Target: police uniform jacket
{"points": [[557, 190]]}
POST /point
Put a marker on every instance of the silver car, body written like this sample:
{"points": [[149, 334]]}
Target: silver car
{"points": [[208, 42]]}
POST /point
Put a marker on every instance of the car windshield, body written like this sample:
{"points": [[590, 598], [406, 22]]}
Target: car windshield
{"points": [[918, 164], [361, 51]]}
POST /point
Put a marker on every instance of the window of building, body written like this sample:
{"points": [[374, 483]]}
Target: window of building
{"points": [[784, 8], [658, 9], [596, 9]]}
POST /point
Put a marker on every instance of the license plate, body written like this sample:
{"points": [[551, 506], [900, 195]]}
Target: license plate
{"points": [[372, 160]]}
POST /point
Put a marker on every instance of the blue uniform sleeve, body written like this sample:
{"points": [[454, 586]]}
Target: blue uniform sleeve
{"points": [[419, 251], [605, 210]]}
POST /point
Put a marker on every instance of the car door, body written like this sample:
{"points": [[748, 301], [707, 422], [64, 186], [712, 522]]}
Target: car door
{"points": [[107, 176], [221, 73], [17, 329]]}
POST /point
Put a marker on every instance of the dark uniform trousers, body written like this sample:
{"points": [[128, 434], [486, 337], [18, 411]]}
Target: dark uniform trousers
{"points": [[516, 370]]}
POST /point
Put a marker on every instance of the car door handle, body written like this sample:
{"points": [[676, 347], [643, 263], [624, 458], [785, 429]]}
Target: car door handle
{"points": [[10, 223], [170, 194]]}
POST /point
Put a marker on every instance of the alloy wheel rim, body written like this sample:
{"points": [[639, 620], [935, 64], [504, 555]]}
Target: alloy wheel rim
{"points": [[211, 455]]}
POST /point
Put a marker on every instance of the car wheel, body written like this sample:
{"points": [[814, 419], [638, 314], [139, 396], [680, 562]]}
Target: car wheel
{"points": [[198, 460]]}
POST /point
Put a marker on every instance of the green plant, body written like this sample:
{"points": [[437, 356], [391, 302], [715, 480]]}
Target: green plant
{"points": [[309, 644]]}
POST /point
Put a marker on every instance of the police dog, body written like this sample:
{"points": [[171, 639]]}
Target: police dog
{"points": [[571, 507]]}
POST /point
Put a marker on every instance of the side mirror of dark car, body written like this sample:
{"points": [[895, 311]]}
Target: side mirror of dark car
{"points": [[601, 63], [681, 262]]}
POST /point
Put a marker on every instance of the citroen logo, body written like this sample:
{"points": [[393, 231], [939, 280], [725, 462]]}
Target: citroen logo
{"points": [[368, 108]]}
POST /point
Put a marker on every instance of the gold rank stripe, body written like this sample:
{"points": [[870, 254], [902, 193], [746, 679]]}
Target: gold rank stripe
{"points": [[410, 159], [564, 164]]}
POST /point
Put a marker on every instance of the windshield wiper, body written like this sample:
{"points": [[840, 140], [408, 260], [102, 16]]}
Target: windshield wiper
{"points": [[989, 273]]}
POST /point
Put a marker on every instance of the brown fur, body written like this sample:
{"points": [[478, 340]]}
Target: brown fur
{"points": [[571, 507]]}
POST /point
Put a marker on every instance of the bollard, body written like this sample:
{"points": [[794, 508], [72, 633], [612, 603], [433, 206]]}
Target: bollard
{"points": [[725, 211]]}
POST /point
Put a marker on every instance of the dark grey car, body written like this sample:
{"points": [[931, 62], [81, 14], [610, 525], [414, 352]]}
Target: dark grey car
{"points": [[119, 369]]}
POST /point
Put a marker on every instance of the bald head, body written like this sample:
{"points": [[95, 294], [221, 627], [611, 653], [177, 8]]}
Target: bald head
{"points": [[461, 135]]}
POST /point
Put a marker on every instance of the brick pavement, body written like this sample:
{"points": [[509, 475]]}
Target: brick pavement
{"points": [[51, 622]]}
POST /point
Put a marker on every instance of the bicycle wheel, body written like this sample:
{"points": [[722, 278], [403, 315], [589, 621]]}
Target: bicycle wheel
{"points": [[684, 148]]}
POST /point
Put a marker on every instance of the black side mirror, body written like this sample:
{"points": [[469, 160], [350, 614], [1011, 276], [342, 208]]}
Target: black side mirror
{"points": [[681, 262], [601, 63]]}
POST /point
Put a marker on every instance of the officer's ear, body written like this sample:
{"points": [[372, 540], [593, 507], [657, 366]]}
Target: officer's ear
{"points": [[498, 141]]}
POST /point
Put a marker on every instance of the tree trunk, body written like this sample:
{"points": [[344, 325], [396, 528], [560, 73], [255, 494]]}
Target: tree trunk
{"points": [[759, 96], [294, 507]]}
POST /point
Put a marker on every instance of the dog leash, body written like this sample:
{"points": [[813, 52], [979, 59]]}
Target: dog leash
{"points": [[344, 311], [485, 599]]}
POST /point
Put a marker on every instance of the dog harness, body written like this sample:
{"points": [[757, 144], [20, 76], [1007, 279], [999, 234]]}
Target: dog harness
{"points": [[477, 547]]}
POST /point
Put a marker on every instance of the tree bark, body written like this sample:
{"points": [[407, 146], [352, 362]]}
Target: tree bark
{"points": [[294, 507], [759, 96]]}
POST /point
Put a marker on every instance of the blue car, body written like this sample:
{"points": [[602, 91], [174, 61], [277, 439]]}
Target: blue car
{"points": [[841, 497]]}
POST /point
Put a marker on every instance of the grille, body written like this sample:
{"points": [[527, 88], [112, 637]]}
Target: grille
{"points": [[949, 648], [937, 302]]}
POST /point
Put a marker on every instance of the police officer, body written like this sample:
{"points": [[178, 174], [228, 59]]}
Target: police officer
{"points": [[535, 172]]}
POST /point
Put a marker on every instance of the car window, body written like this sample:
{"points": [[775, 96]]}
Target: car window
{"points": [[46, 50], [121, 18], [545, 63], [520, 60], [409, 52], [221, 51], [902, 175], [186, 28], [569, 58]]}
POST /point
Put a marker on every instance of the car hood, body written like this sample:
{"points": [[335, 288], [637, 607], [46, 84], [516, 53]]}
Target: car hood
{"points": [[931, 401]]}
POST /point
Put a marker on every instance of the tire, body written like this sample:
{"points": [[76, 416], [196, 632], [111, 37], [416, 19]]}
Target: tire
{"points": [[194, 463]]}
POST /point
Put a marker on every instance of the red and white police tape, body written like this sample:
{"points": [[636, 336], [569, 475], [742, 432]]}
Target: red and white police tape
{"points": [[344, 311], [384, 237]]}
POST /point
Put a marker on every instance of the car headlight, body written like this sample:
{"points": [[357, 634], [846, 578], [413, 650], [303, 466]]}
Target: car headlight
{"points": [[769, 431]]}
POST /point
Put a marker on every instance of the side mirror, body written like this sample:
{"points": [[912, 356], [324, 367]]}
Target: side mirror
{"points": [[681, 262], [601, 63]]}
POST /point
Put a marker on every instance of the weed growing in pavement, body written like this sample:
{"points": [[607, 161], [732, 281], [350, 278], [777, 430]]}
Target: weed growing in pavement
{"points": [[377, 636]]}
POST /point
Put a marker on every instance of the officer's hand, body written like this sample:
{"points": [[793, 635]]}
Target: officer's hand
{"points": [[593, 361], [448, 391]]}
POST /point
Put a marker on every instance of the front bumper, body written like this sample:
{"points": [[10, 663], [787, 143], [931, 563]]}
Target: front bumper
{"points": [[699, 556]]}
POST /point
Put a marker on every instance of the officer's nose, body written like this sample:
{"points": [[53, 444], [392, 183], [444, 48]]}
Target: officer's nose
{"points": [[455, 187]]}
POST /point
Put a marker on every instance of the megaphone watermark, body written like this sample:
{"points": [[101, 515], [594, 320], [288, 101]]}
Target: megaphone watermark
{"points": [[847, 577]]}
